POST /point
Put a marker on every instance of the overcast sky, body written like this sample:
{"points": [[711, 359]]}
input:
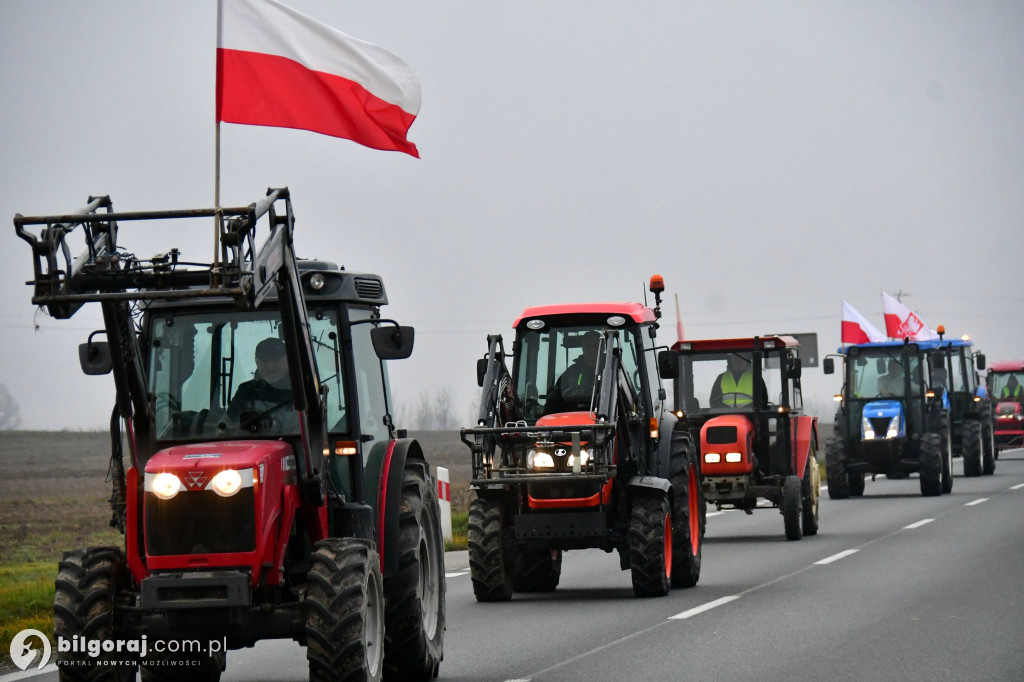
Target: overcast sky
{"points": [[768, 159]]}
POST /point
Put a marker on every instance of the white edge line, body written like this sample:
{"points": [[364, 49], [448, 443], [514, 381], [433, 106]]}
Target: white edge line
{"points": [[836, 557], [52, 667], [705, 607], [918, 524], [977, 501], [1017, 487], [455, 575]]}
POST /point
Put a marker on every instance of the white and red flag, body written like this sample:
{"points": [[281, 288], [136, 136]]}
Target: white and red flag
{"points": [[279, 67], [856, 328], [903, 323]]}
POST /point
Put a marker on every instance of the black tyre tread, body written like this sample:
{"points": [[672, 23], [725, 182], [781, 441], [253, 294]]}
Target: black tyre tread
{"points": [[336, 604], [792, 507], [686, 562], [855, 481], [87, 583], [835, 468], [536, 570], [647, 546], [930, 465], [410, 652], [971, 447], [811, 495], [942, 431], [988, 446], [487, 565]]}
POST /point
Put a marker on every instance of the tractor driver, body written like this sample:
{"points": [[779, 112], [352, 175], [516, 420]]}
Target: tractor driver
{"points": [[574, 387], [1012, 389], [735, 386], [269, 392], [890, 385]]}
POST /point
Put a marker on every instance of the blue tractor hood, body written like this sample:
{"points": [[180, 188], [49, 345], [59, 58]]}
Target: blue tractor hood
{"points": [[883, 408]]}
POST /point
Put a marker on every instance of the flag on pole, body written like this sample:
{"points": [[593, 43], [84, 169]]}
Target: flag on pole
{"points": [[901, 322], [856, 328], [278, 67]]}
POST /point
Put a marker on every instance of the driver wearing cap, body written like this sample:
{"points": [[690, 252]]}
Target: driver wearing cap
{"points": [[270, 388]]}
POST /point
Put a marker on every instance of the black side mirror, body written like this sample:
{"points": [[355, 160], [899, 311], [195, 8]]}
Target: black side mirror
{"points": [[829, 365], [668, 364], [392, 343], [94, 357], [795, 369], [981, 361], [481, 371]]}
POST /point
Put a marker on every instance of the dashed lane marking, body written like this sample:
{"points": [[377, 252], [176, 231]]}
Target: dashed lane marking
{"points": [[918, 524], [976, 502], [704, 607], [836, 557], [1017, 487]]}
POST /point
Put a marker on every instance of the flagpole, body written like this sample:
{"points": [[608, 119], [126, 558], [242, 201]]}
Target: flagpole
{"points": [[216, 203], [679, 321]]}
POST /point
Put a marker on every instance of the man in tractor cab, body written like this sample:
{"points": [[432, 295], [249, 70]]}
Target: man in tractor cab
{"points": [[735, 386], [574, 388], [1012, 390], [269, 391], [890, 385]]}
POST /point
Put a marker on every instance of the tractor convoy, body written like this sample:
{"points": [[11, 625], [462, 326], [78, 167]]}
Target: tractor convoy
{"points": [[263, 490]]}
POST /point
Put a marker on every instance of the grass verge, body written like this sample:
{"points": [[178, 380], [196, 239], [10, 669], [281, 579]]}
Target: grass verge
{"points": [[460, 529]]}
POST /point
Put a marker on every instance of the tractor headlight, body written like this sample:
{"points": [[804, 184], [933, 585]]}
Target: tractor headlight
{"points": [[867, 429], [165, 485], [536, 459], [712, 457], [226, 483], [894, 428], [584, 458], [733, 457]]}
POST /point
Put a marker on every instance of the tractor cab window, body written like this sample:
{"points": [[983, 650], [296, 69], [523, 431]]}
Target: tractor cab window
{"points": [[371, 383], [963, 372], [883, 373], [1007, 385], [718, 382]]}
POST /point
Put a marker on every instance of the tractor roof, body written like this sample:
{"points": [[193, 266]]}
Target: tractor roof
{"points": [[1007, 366], [744, 344], [634, 311], [931, 344]]}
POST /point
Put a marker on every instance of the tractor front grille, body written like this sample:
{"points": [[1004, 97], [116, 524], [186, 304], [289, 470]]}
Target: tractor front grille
{"points": [[200, 522], [880, 424]]}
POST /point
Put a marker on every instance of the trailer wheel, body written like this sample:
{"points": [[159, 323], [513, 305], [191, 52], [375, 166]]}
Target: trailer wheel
{"points": [[345, 612], [930, 465], [536, 570], [811, 490], [971, 447], [688, 531], [792, 506], [88, 581], [650, 546], [414, 614], [487, 565], [835, 468]]}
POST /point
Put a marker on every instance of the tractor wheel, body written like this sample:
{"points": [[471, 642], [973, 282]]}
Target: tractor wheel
{"points": [[971, 448], [650, 546], [988, 447], [688, 531], [345, 611], [930, 465], [811, 491], [855, 481], [487, 565], [414, 613], [792, 506], [536, 570], [835, 468], [941, 429], [88, 581]]}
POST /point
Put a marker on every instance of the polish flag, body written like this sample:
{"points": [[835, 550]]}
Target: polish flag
{"points": [[279, 67], [901, 322], [856, 328]]}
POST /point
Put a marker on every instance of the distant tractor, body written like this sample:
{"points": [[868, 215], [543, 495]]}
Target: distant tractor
{"points": [[888, 421], [1006, 389], [574, 449], [265, 493], [741, 400]]}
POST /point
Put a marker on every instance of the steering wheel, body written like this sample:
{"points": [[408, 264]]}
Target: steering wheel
{"points": [[260, 422]]}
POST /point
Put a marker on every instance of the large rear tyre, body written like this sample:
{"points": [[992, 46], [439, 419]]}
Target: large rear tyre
{"points": [[488, 567], [792, 507], [650, 546], [88, 581], [972, 448], [536, 570], [345, 612], [414, 613], [688, 531], [855, 481], [835, 468], [930, 465], [811, 491]]}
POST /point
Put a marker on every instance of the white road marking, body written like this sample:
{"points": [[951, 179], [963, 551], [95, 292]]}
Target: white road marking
{"points": [[1017, 487], [705, 607], [918, 524], [836, 557], [977, 501], [455, 575]]}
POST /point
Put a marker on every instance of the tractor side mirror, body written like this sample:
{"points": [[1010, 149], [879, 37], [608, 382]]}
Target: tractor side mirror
{"points": [[829, 365], [392, 343], [94, 357], [481, 371], [795, 369], [981, 361], [668, 364]]}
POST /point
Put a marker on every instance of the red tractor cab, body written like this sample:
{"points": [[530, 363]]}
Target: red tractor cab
{"points": [[741, 400], [1006, 390]]}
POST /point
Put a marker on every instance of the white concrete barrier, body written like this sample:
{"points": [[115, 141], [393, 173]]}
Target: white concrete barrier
{"points": [[444, 501]]}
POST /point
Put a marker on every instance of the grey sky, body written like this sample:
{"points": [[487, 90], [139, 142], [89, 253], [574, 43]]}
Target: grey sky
{"points": [[768, 159]]}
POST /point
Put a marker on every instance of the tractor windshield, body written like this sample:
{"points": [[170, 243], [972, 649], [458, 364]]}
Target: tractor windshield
{"points": [[885, 373], [557, 367], [1007, 385], [723, 381], [226, 376]]}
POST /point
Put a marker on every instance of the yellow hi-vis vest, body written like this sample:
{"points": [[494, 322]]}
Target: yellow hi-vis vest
{"points": [[1007, 393], [745, 386]]}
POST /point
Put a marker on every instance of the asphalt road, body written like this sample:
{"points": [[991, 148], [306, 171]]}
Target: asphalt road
{"points": [[894, 587]]}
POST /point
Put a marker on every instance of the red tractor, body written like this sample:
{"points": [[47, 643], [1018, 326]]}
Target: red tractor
{"points": [[574, 449], [1006, 391], [741, 400], [261, 487]]}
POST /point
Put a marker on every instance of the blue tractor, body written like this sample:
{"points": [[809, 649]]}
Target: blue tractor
{"points": [[890, 420]]}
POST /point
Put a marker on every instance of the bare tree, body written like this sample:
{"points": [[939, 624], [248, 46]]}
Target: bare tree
{"points": [[9, 413], [444, 419], [425, 412]]}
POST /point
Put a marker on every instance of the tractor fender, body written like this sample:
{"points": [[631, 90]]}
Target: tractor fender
{"points": [[641, 485], [667, 435], [804, 432], [401, 452]]}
